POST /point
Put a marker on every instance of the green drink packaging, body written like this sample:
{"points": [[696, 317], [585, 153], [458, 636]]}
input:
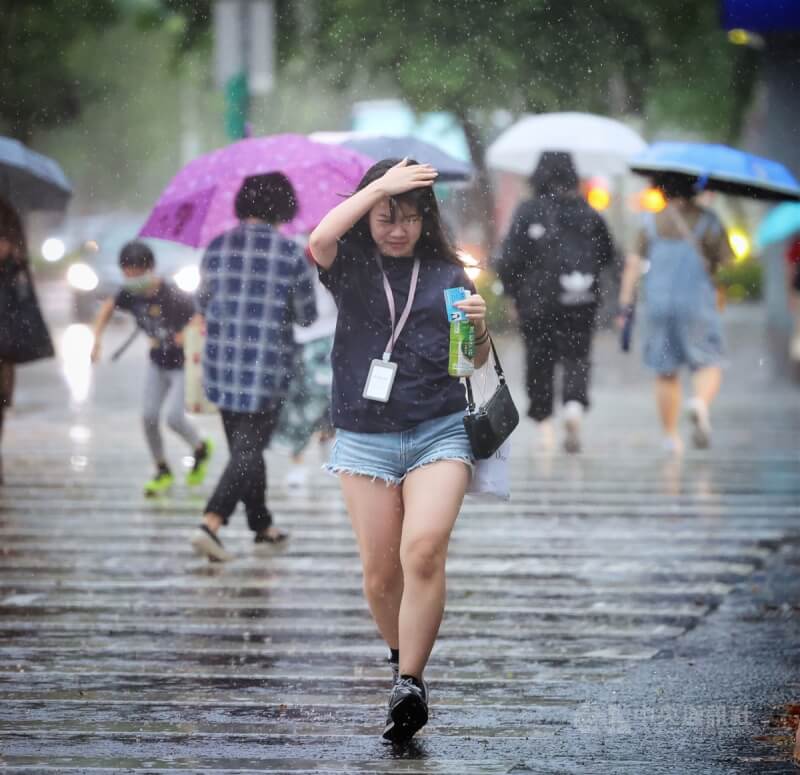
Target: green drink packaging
{"points": [[461, 362]]}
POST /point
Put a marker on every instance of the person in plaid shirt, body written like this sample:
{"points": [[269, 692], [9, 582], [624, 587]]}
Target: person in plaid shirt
{"points": [[255, 284]]}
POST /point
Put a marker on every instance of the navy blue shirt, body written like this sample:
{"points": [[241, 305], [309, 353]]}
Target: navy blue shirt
{"points": [[161, 315], [423, 390]]}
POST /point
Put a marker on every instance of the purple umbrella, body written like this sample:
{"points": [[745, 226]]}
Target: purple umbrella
{"points": [[197, 205]]}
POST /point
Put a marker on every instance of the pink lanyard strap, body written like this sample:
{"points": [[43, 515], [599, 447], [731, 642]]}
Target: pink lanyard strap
{"points": [[398, 326]]}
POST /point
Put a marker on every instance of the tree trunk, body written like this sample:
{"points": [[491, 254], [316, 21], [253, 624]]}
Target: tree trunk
{"points": [[480, 202]]}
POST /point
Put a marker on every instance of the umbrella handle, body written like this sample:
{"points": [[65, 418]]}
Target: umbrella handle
{"points": [[117, 354]]}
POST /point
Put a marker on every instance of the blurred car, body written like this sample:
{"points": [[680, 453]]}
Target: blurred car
{"points": [[95, 274]]}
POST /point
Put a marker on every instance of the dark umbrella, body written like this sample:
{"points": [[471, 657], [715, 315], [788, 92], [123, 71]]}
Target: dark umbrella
{"points": [[377, 147], [719, 168], [30, 181]]}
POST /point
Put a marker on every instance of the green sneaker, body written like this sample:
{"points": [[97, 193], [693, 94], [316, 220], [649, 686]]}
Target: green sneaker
{"points": [[160, 483], [197, 475]]}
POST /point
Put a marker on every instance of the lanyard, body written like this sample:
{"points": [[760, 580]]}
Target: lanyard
{"points": [[397, 326]]}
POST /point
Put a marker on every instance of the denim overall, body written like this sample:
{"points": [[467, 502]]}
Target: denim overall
{"points": [[683, 326]]}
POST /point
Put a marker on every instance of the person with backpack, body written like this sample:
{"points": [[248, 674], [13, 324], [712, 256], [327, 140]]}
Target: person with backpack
{"points": [[684, 245], [550, 265]]}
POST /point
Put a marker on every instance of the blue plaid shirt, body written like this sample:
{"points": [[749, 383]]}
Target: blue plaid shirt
{"points": [[254, 285]]}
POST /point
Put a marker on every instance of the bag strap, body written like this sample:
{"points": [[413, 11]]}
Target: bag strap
{"points": [[498, 370], [692, 237]]}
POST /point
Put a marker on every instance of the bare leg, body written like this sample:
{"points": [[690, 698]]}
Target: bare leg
{"points": [[376, 512], [212, 521], [668, 397], [707, 383], [427, 524]]}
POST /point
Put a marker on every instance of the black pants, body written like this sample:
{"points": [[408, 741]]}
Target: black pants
{"points": [[245, 477], [558, 337]]}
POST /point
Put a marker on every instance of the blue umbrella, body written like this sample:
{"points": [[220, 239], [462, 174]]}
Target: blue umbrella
{"points": [[781, 223], [30, 181], [377, 147], [719, 168]]}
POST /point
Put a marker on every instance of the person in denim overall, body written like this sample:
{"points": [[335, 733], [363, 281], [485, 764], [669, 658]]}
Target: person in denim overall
{"points": [[683, 247]]}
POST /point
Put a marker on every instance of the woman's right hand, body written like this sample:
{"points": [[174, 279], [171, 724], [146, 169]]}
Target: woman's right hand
{"points": [[405, 177]]}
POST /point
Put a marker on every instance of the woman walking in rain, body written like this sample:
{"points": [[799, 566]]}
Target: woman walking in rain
{"points": [[255, 285], [23, 333], [684, 245], [401, 451]]}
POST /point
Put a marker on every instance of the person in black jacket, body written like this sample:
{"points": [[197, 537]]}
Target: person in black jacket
{"points": [[550, 264]]}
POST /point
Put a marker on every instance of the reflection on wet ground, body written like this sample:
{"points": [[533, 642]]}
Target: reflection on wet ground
{"points": [[122, 651]]}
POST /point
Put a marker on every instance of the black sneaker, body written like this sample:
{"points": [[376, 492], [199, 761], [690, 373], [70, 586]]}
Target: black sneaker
{"points": [[270, 535], [206, 543], [408, 710]]}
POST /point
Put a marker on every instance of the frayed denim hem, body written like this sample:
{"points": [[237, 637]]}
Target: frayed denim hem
{"points": [[470, 463], [389, 481]]}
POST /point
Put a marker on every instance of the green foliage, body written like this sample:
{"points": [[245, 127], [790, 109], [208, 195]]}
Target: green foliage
{"points": [[742, 281], [40, 87], [461, 55], [664, 59], [688, 73], [143, 122], [189, 21], [499, 312]]}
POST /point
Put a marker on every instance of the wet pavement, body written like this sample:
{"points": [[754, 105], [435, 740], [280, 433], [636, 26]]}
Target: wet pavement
{"points": [[624, 613]]}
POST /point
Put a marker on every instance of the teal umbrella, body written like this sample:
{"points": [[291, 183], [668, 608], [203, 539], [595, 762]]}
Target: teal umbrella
{"points": [[781, 223]]}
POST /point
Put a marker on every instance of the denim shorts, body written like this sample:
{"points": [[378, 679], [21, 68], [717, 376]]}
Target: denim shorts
{"points": [[391, 456]]}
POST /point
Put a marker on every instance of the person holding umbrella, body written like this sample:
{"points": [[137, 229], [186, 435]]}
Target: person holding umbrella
{"points": [[551, 261], [23, 333], [28, 181], [684, 245], [255, 284]]}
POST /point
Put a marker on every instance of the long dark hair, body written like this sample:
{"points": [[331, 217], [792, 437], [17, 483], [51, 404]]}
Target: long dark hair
{"points": [[675, 185], [433, 243], [11, 228]]}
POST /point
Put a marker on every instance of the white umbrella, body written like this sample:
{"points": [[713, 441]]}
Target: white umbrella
{"points": [[599, 145]]}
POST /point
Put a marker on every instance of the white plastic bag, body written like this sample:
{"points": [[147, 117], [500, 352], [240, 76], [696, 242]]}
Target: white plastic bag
{"points": [[193, 345], [490, 476]]}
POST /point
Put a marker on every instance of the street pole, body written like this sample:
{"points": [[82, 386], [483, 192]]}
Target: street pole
{"points": [[244, 45]]}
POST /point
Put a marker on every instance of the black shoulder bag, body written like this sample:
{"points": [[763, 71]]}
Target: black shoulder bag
{"points": [[23, 333], [488, 426]]}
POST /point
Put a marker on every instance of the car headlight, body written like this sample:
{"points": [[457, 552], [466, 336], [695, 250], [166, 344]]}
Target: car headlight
{"points": [[82, 277], [53, 249], [187, 279]]}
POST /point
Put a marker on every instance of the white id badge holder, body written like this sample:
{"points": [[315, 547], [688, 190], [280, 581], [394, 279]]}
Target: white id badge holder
{"points": [[381, 370], [380, 380]]}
